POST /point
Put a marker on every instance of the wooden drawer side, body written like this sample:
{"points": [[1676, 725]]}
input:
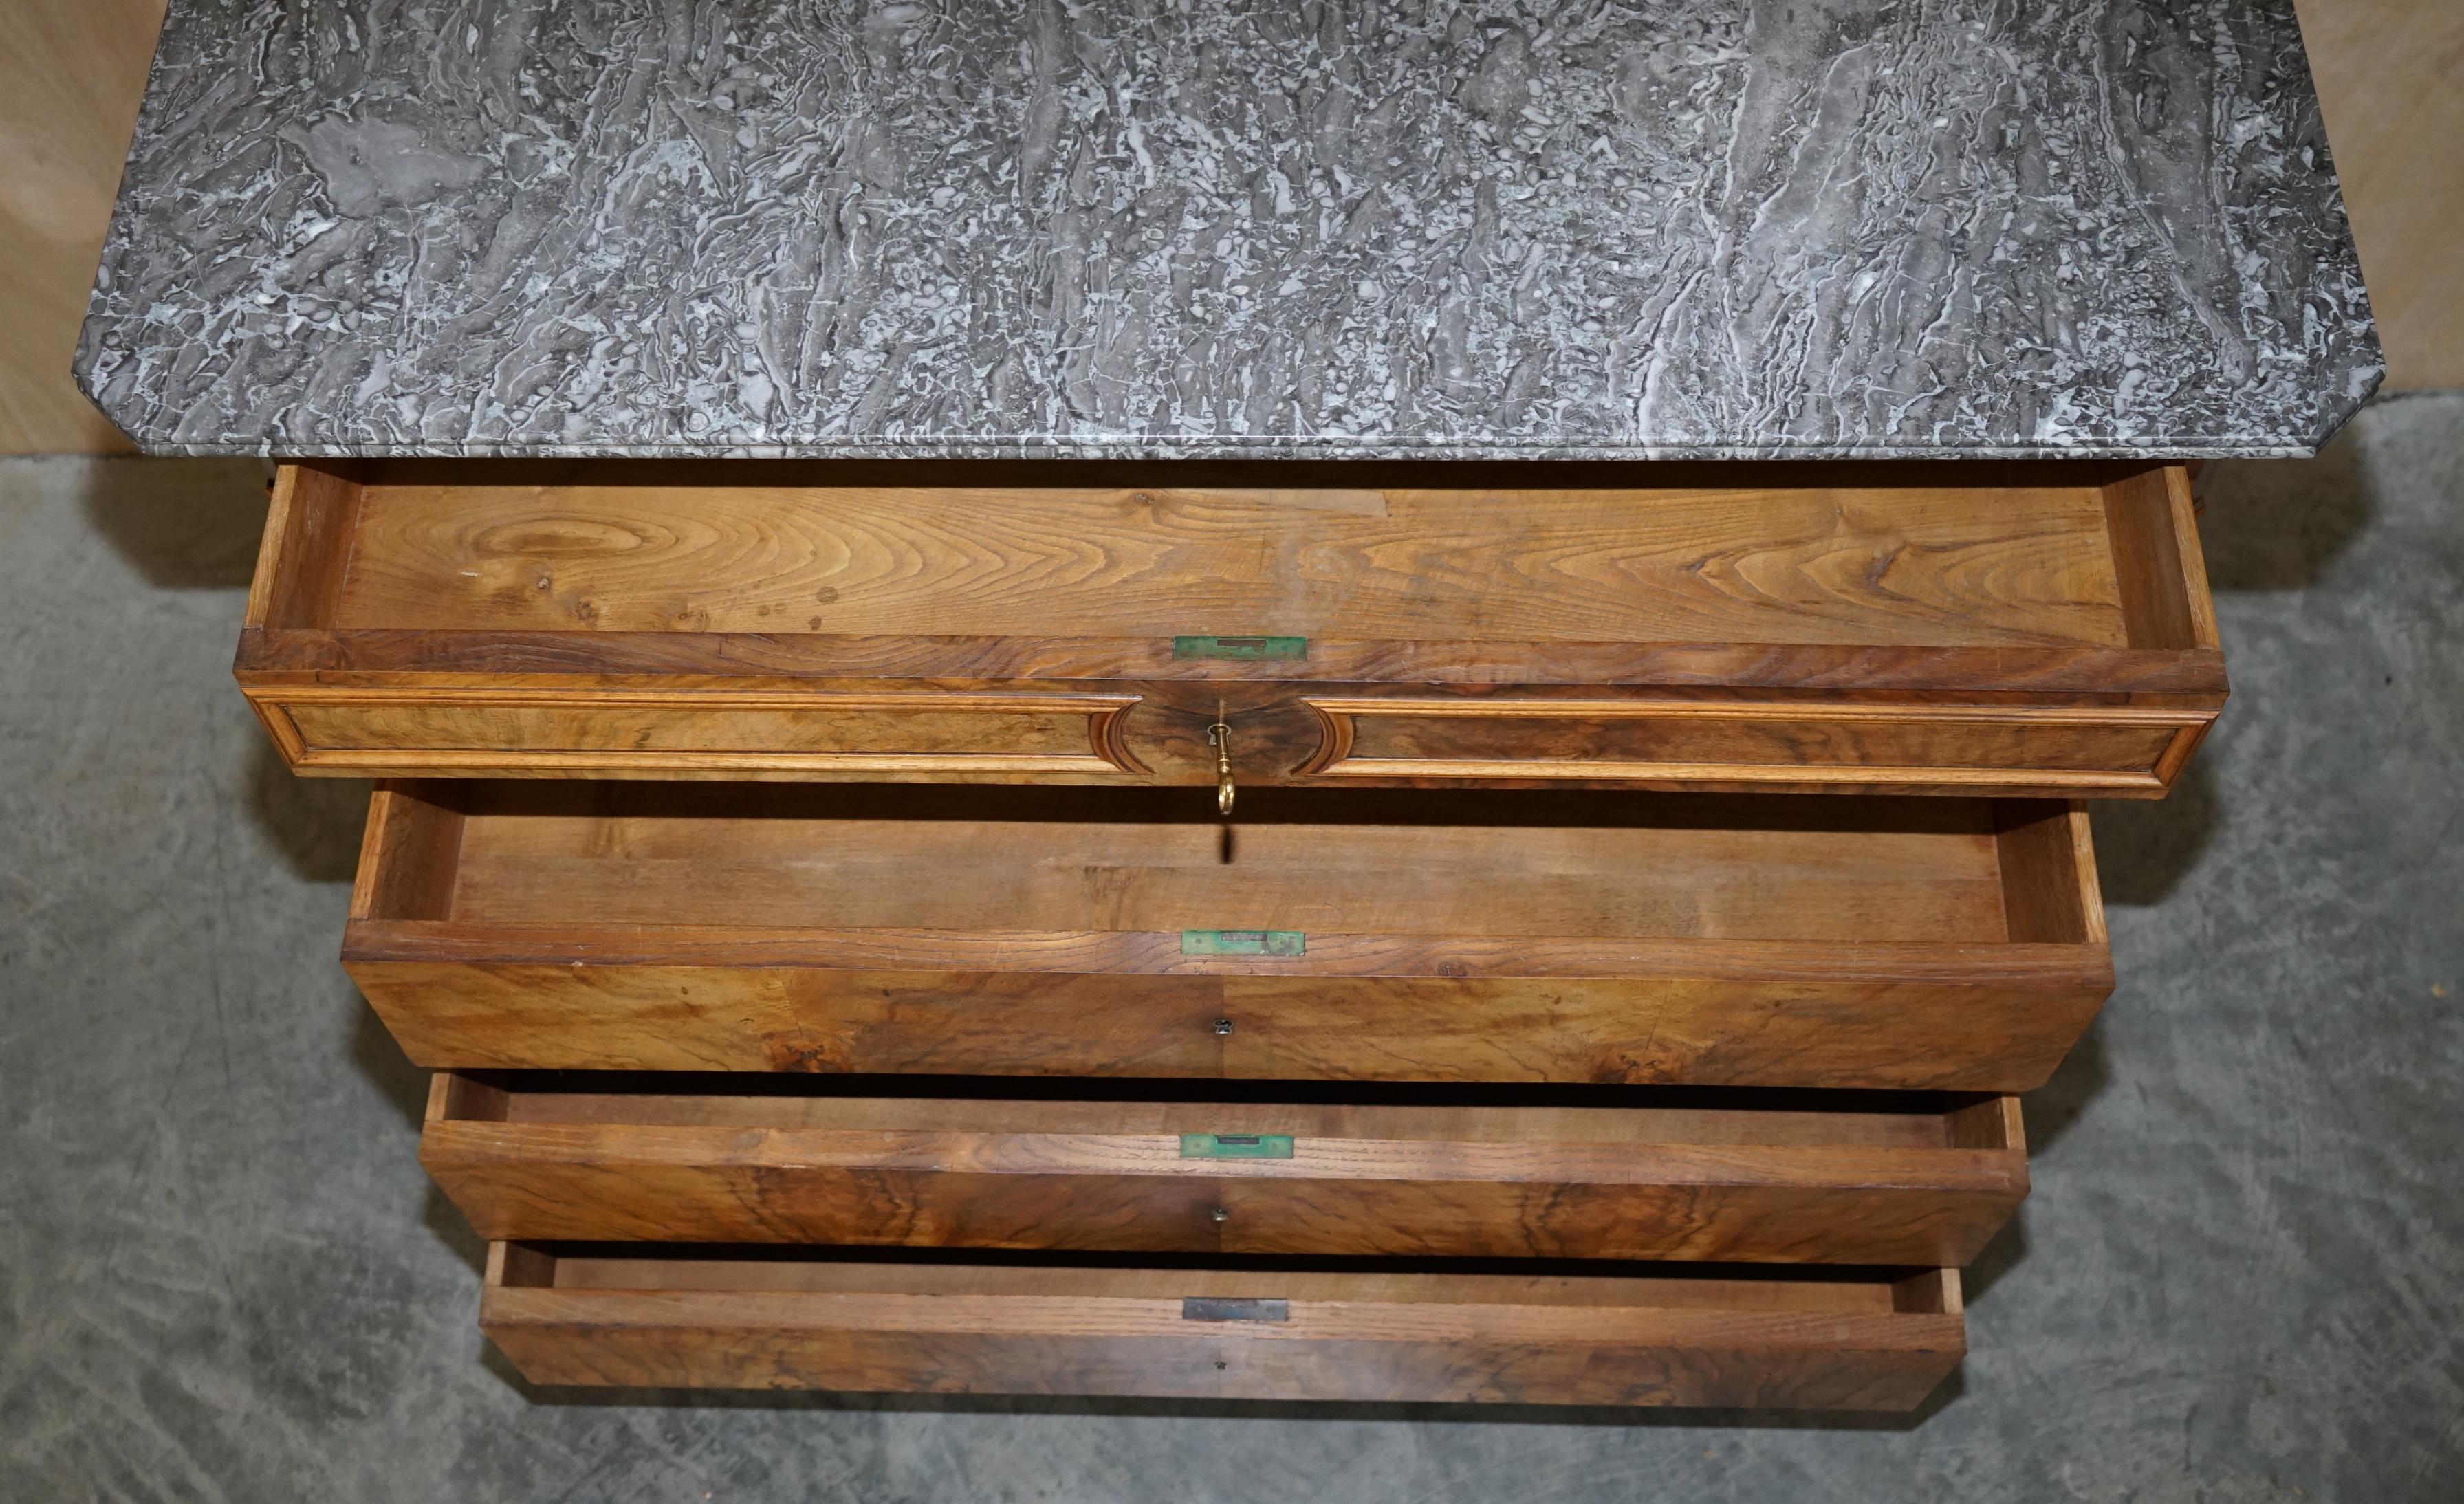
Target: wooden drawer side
{"points": [[2161, 573], [310, 526]]}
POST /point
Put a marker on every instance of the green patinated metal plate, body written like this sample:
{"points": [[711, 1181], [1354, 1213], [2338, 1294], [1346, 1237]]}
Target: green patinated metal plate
{"points": [[1236, 1147], [1243, 942], [1240, 648]]}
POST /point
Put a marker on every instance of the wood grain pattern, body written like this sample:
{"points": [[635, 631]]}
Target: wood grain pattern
{"points": [[1738, 940], [1821, 1343], [1985, 635], [410, 857], [2159, 566], [310, 529], [1886, 1017], [1821, 562], [1854, 1188], [2049, 882], [1461, 867]]}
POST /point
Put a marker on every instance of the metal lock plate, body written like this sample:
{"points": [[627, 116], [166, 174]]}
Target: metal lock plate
{"points": [[1244, 942], [1236, 1147], [1216, 1308], [1239, 649]]}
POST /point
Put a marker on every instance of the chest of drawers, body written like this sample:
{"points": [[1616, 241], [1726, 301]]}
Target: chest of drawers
{"points": [[1269, 932]]}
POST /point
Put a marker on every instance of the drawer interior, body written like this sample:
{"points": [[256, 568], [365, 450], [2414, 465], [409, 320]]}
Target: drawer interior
{"points": [[1988, 554], [1400, 862], [1839, 1291], [1629, 1118]]}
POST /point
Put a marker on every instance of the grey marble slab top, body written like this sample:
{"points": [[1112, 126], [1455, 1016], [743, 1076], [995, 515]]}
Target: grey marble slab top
{"points": [[1473, 229]]}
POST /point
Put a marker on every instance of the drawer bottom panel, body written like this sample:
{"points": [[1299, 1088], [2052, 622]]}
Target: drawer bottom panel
{"points": [[679, 1316]]}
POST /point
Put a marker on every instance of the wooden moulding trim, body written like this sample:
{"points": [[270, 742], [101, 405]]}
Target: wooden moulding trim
{"points": [[1104, 736], [2177, 752], [1024, 702], [483, 761], [292, 652], [371, 941], [1729, 775], [1485, 708], [277, 720]]}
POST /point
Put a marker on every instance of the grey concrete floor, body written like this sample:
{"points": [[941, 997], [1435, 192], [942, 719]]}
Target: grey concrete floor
{"points": [[2239, 1278]]}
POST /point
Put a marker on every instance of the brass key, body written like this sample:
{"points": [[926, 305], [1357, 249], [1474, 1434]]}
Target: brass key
{"points": [[1220, 734]]}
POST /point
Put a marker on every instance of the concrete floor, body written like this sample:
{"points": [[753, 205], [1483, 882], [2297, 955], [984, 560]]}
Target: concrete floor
{"points": [[2239, 1277]]}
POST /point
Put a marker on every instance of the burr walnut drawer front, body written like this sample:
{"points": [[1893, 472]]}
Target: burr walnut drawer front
{"points": [[1368, 934], [683, 732], [1857, 1181], [680, 1317], [2037, 630]]}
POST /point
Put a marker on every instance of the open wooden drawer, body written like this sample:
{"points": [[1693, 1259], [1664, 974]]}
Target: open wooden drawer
{"points": [[1826, 1178], [2039, 630], [1403, 935], [668, 1317]]}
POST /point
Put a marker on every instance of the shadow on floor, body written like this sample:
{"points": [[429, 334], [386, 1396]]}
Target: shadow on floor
{"points": [[405, 1088], [2275, 525], [187, 524], [2146, 846], [377, 1058], [315, 823]]}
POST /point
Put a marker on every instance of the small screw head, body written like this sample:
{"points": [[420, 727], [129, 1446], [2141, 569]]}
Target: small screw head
{"points": [[1223, 1026], [1221, 1216]]}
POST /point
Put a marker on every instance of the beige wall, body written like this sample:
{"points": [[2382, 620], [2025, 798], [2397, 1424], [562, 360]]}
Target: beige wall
{"points": [[2387, 73], [70, 72]]}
